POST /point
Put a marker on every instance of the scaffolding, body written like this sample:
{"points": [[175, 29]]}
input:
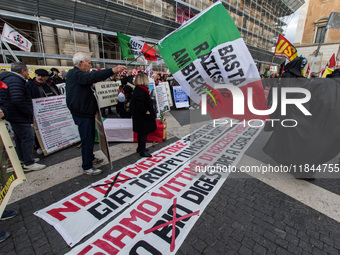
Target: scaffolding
{"points": [[58, 29]]}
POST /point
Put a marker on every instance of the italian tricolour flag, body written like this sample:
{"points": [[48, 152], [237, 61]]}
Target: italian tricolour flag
{"points": [[206, 53], [133, 48]]}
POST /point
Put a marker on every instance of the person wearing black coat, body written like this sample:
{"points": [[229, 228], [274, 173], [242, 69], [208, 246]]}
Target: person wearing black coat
{"points": [[55, 76], [143, 114], [41, 86], [83, 106], [18, 103], [128, 78], [292, 77]]}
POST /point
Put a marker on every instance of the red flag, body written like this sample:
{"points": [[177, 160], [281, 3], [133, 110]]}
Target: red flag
{"points": [[285, 49], [308, 70], [331, 62]]}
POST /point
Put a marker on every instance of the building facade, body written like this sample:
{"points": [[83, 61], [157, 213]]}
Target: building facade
{"points": [[313, 19], [58, 29]]}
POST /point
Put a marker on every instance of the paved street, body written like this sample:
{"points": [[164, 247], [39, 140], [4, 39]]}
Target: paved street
{"points": [[248, 215]]}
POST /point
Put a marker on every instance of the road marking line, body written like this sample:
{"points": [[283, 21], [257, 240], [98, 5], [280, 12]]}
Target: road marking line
{"points": [[321, 200]]}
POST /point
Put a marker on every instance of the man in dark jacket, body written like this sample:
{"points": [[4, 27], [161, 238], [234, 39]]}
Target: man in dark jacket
{"points": [[18, 103], [128, 78], [82, 103], [55, 76], [41, 86]]}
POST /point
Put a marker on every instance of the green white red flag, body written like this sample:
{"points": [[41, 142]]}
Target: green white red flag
{"points": [[132, 48], [206, 53]]}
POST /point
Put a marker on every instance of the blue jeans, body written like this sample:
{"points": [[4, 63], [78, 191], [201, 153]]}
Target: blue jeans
{"points": [[86, 128], [24, 139]]}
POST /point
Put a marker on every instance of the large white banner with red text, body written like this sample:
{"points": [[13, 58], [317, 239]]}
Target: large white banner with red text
{"points": [[171, 174]]}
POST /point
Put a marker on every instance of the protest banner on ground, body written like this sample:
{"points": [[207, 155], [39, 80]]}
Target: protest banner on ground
{"points": [[160, 220], [99, 202], [63, 215], [180, 97], [208, 50], [54, 125], [11, 173], [107, 92]]}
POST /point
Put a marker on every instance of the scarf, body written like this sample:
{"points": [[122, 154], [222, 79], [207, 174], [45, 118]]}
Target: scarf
{"points": [[145, 89]]}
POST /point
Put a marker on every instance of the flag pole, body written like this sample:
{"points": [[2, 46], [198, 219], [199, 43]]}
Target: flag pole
{"points": [[337, 58], [271, 62], [142, 54], [10, 51]]}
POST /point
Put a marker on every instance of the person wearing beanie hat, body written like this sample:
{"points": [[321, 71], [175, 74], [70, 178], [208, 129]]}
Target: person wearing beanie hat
{"points": [[42, 72], [41, 86]]}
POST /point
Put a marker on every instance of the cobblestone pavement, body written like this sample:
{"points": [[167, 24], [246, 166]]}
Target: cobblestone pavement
{"points": [[246, 216]]}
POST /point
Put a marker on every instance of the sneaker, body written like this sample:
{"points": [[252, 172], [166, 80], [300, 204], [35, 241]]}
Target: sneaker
{"points": [[8, 214], [33, 167], [4, 235], [36, 160], [97, 160], [92, 171]]}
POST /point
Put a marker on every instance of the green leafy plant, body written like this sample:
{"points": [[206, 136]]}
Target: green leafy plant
{"points": [[161, 116]]}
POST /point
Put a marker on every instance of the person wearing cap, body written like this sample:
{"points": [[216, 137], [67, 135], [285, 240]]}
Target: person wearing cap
{"points": [[83, 106], [18, 103], [55, 77], [41, 85]]}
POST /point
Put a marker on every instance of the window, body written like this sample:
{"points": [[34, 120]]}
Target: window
{"points": [[320, 35], [320, 27]]}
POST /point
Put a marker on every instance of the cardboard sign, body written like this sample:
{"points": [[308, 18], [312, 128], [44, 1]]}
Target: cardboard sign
{"points": [[11, 173], [107, 92]]}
